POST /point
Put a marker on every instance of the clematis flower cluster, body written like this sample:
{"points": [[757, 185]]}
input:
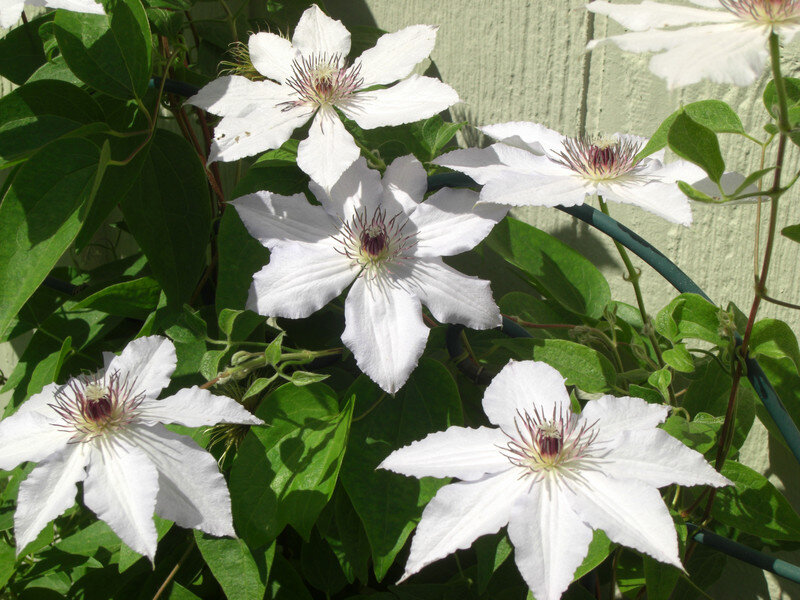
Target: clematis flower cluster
{"points": [[11, 10], [107, 431], [532, 165], [725, 41], [551, 476], [310, 78], [380, 236]]}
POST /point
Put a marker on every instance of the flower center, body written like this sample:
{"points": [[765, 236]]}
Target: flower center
{"points": [[95, 407], [767, 12], [374, 241], [323, 80], [543, 445], [599, 160]]}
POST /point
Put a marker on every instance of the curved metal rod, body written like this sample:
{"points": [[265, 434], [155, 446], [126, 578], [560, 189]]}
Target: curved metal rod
{"points": [[744, 553]]}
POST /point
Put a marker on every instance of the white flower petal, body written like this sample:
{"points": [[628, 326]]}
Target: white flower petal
{"points": [[358, 188], [317, 34], [614, 415], [658, 459], [191, 490], [681, 170], [237, 96], [532, 137], [195, 407], [10, 11], [83, 6], [452, 297], [461, 452], [663, 199], [328, 150], [550, 540], [272, 55], [449, 222], [522, 189], [271, 218], [263, 129], [707, 3], [41, 402], [630, 513], [384, 330], [407, 101], [524, 387], [299, 279], [652, 15], [396, 54], [460, 513], [481, 164], [146, 363], [48, 491], [720, 53], [29, 436], [121, 489], [405, 183]]}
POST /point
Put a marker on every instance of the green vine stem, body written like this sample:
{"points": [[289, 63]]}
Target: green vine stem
{"points": [[726, 435], [633, 277]]}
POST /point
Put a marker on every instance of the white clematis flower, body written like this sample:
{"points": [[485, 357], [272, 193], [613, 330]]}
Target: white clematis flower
{"points": [[106, 431], [10, 10], [311, 78], [724, 42], [536, 166], [379, 236], [551, 476]]}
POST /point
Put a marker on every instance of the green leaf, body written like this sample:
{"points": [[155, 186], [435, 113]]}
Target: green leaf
{"points": [[556, 269], [275, 171], [771, 337], [770, 96], [285, 583], [388, 504], [713, 114], [48, 370], [792, 232], [699, 434], [753, 505], [660, 579], [690, 316], [168, 211], [694, 194], [22, 51], [301, 378], [320, 567], [539, 312], [40, 215], [582, 366], [491, 552], [285, 473], [434, 134], [40, 112], [242, 573], [697, 144], [238, 324], [660, 380], [134, 299], [110, 52], [346, 536], [240, 255], [89, 540], [599, 548], [679, 358]]}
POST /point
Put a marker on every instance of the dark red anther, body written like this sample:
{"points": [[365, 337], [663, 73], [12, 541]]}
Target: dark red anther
{"points": [[97, 410]]}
